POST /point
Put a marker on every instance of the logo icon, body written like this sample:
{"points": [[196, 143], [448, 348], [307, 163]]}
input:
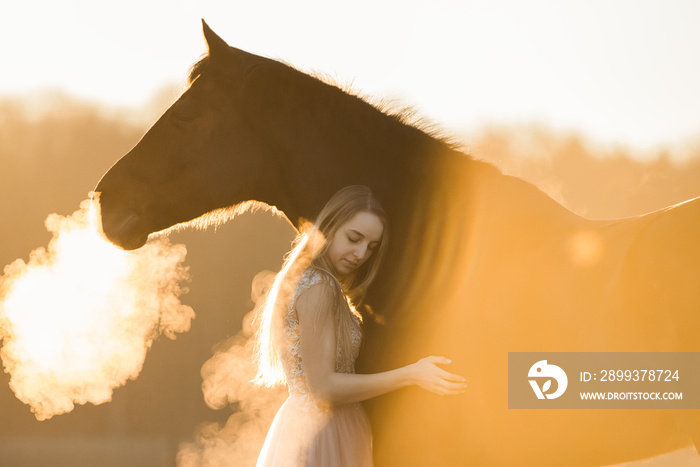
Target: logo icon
{"points": [[542, 369]]}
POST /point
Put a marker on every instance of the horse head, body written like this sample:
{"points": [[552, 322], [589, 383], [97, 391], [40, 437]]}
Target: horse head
{"points": [[166, 178], [243, 119]]}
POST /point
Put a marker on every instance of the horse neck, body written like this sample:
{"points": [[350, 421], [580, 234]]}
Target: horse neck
{"points": [[464, 210], [332, 139]]}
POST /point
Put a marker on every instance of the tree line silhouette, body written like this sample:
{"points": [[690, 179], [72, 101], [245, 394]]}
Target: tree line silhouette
{"points": [[595, 183]]}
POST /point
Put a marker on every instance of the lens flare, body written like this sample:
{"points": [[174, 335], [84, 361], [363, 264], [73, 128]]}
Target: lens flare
{"points": [[585, 248], [78, 318]]}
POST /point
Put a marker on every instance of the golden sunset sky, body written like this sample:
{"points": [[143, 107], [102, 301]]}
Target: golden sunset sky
{"points": [[622, 72]]}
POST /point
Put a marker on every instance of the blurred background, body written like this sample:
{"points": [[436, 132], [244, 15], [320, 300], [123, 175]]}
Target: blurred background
{"points": [[594, 102]]}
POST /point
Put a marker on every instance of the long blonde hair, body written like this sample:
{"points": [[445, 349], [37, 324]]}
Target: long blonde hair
{"points": [[310, 250]]}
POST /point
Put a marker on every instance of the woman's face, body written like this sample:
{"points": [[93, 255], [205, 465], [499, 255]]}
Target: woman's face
{"points": [[354, 242]]}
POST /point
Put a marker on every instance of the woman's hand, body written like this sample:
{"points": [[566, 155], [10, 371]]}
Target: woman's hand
{"points": [[426, 374]]}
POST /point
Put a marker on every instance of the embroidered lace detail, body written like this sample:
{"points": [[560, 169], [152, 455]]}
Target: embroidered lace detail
{"points": [[292, 363]]}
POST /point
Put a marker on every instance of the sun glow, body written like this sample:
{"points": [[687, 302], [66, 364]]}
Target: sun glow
{"points": [[585, 248], [78, 318]]}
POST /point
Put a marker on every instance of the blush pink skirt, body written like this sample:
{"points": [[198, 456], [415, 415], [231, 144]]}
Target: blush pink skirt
{"points": [[302, 435]]}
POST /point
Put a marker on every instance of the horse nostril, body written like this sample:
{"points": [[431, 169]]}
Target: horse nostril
{"points": [[124, 230], [126, 225]]}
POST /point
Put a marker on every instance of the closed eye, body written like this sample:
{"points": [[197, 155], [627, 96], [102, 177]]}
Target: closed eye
{"points": [[184, 117], [186, 110]]}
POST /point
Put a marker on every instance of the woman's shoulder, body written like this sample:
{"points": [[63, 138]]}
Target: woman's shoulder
{"points": [[315, 289], [318, 280], [313, 275]]}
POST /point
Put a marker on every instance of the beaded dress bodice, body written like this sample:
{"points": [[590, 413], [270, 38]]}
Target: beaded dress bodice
{"points": [[292, 362]]}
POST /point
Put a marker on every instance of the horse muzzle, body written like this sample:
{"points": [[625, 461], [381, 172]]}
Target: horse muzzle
{"points": [[124, 230]]}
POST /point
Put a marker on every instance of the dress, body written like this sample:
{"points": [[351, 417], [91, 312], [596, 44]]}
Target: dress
{"points": [[302, 433]]}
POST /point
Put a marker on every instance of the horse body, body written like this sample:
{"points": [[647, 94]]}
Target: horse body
{"points": [[534, 278], [479, 263]]}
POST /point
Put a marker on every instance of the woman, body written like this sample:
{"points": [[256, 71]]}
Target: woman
{"points": [[310, 336]]}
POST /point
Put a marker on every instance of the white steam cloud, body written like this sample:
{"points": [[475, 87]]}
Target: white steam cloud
{"points": [[78, 318]]}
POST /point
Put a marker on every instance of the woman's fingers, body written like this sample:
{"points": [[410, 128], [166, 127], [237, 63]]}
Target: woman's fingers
{"points": [[443, 373], [437, 360], [449, 389], [440, 381], [451, 376], [454, 388]]}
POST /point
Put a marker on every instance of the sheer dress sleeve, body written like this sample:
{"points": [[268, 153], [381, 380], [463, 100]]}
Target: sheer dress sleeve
{"points": [[316, 308]]}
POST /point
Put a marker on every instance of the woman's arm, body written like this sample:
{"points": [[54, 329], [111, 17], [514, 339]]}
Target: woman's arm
{"points": [[317, 346]]}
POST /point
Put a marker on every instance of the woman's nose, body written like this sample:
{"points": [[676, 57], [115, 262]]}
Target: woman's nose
{"points": [[360, 252]]}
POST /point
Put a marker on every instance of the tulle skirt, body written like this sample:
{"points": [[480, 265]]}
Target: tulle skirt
{"points": [[303, 436]]}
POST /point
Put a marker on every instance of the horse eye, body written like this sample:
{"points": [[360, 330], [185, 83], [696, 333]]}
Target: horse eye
{"points": [[184, 117], [185, 113]]}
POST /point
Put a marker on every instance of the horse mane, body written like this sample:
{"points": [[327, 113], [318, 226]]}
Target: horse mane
{"points": [[197, 69], [392, 108]]}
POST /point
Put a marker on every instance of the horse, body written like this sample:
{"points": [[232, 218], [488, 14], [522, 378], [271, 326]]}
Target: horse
{"points": [[479, 263]]}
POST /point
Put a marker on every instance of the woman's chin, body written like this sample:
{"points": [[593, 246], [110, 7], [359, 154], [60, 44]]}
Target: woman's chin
{"points": [[343, 270]]}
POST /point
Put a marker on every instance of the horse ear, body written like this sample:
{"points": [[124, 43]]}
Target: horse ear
{"points": [[215, 44]]}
